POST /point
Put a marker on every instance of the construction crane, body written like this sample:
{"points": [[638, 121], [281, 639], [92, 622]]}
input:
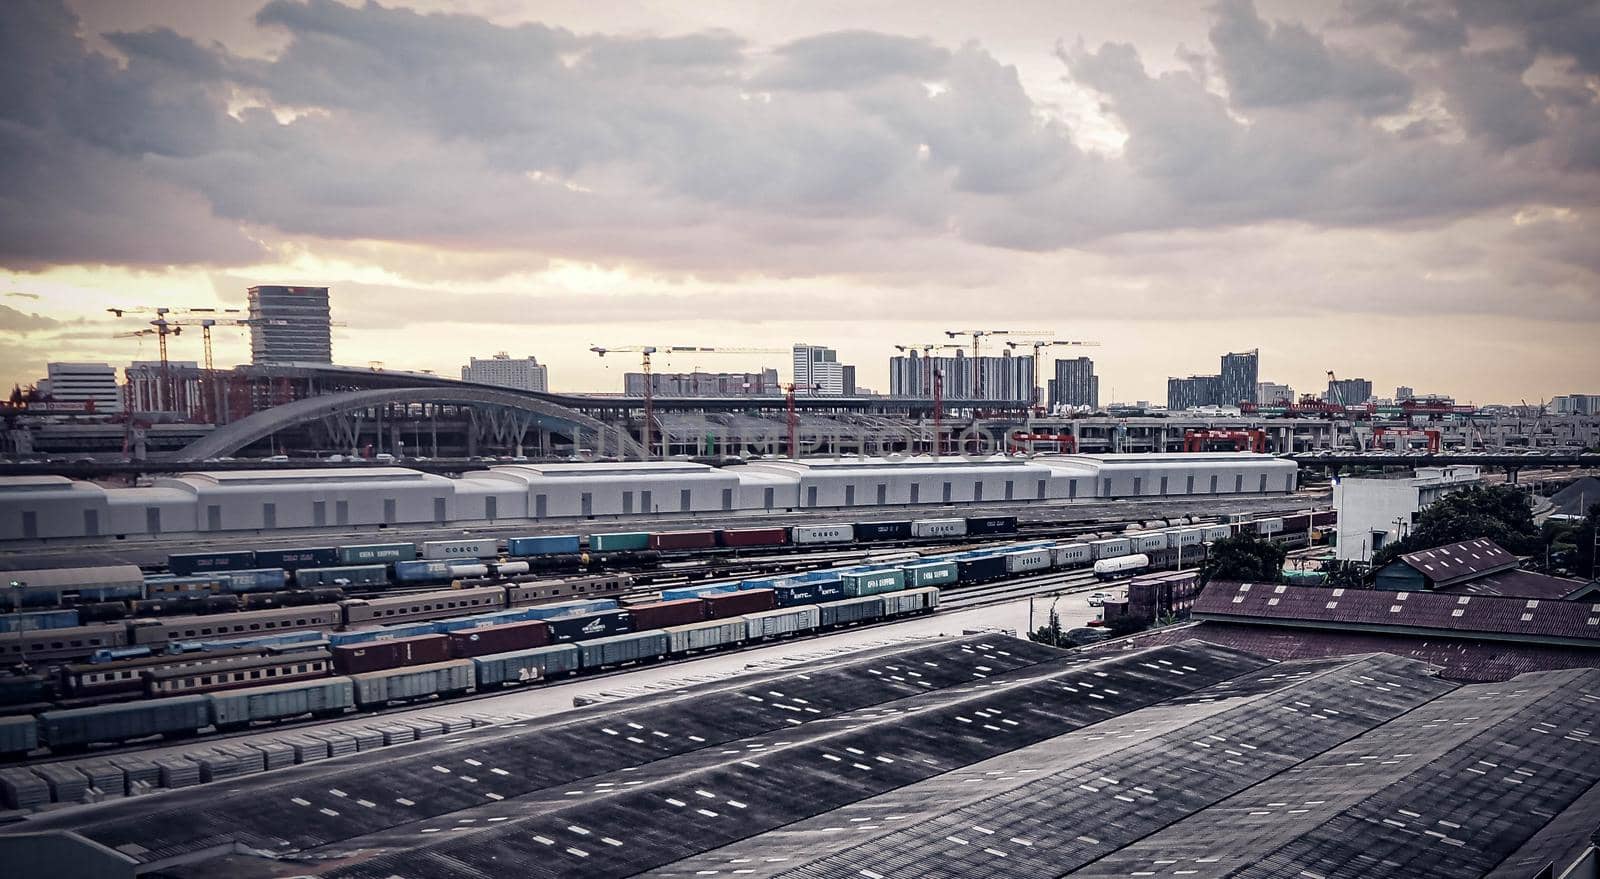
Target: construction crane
{"points": [[1038, 346], [645, 352], [977, 350], [161, 328]]}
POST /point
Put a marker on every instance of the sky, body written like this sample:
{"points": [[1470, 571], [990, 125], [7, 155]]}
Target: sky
{"points": [[1402, 190]]}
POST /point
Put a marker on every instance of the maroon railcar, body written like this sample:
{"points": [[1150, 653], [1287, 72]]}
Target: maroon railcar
{"points": [[755, 536], [660, 540], [730, 604], [486, 640], [660, 614], [1325, 517], [1295, 524], [349, 659]]}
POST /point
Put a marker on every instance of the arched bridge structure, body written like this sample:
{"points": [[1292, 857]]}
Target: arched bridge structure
{"points": [[517, 412]]}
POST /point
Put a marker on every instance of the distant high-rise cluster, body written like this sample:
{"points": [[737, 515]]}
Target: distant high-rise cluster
{"points": [[704, 384], [1004, 378], [1233, 385], [290, 325], [525, 374], [1348, 391], [1576, 404], [1075, 384], [818, 372]]}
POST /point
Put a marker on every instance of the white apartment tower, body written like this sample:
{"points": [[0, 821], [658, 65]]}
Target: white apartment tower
{"points": [[817, 371], [91, 383], [525, 374]]}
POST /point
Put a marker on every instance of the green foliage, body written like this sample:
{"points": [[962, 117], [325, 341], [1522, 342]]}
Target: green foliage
{"points": [[1051, 633], [1246, 558], [1346, 575], [1498, 512]]}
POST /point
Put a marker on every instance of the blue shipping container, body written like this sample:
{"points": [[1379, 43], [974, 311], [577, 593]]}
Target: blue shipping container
{"points": [[562, 608], [421, 571], [31, 621], [697, 591], [557, 544], [258, 580], [184, 564], [290, 559]]}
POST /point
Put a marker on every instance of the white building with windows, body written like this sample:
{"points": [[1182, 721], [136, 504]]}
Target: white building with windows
{"points": [[1376, 511], [525, 374], [817, 371], [90, 383]]}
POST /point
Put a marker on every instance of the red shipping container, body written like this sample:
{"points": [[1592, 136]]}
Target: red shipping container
{"points": [[486, 640], [755, 536], [660, 614], [349, 659], [730, 604], [683, 540]]}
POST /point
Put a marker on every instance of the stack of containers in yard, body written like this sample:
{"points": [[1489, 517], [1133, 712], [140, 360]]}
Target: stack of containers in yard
{"points": [[356, 575], [778, 623], [860, 583], [294, 559], [618, 649], [619, 541], [754, 536], [391, 653], [1149, 541], [1025, 560], [440, 678], [704, 636], [488, 640], [976, 569], [582, 626], [697, 591], [732, 604], [661, 614], [565, 608], [526, 666], [1067, 555], [683, 540], [554, 544], [377, 552], [882, 530], [255, 580]]}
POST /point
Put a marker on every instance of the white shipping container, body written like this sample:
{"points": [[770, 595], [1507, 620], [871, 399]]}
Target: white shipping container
{"points": [[701, 636], [481, 548], [1149, 542], [1027, 560], [1269, 526], [822, 533], [1185, 537], [1216, 532], [939, 527], [1110, 549], [1068, 555], [787, 621]]}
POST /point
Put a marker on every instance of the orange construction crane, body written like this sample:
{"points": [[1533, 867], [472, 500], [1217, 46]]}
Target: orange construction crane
{"points": [[977, 350], [1037, 391], [645, 351]]}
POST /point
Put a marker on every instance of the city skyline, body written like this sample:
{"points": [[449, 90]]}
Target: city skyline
{"points": [[1315, 181]]}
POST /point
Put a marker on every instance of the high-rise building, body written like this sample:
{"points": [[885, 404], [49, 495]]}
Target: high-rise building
{"points": [[848, 376], [704, 384], [525, 374], [1003, 378], [1194, 392], [1576, 404], [290, 325], [1403, 393], [1348, 391], [177, 389], [92, 384], [817, 371], [1075, 384], [1273, 394], [1240, 372]]}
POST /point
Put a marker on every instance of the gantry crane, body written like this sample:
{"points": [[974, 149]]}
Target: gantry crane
{"points": [[977, 350], [645, 351], [1037, 391]]}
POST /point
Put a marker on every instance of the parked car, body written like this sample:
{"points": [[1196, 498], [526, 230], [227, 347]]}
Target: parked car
{"points": [[1098, 599]]}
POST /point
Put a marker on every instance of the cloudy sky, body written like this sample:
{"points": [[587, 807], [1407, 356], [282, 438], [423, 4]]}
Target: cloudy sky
{"points": [[1405, 190]]}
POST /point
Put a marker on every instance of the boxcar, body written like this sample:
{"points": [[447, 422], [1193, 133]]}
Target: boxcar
{"points": [[1216, 532], [992, 525], [555, 544], [32, 621], [413, 682], [277, 701], [619, 649], [301, 557], [822, 534], [488, 640], [423, 605], [661, 614], [781, 623], [367, 554], [184, 564], [747, 537], [939, 527], [18, 735], [910, 601], [705, 636], [526, 666], [390, 653], [674, 540], [851, 610], [127, 720], [723, 605], [867, 532]]}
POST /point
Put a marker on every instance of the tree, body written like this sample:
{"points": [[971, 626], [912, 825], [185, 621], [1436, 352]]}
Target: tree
{"points": [[1346, 575], [1498, 512], [1244, 557], [1050, 634]]}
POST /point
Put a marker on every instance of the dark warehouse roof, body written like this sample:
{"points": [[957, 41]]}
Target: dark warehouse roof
{"points": [[1455, 562]]}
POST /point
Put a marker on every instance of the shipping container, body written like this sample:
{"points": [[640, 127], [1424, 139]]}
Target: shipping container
{"points": [[980, 569], [676, 540], [1111, 548], [1300, 523], [781, 623], [1268, 526], [1216, 532], [939, 527], [822, 534], [390, 653], [565, 608], [366, 636], [29, 621], [582, 626], [413, 682], [476, 548], [992, 525], [1070, 555], [619, 649], [255, 580], [1325, 518], [931, 574], [1150, 541], [661, 614], [683, 592], [277, 701], [791, 593], [526, 666], [867, 532], [366, 554], [741, 537], [503, 638], [619, 541], [731, 604], [421, 571], [553, 544], [123, 721], [851, 610], [18, 735], [294, 559], [185, 564], [353, 575], [705, 636], [1023, 561], [858, 583], [1121, 566], [909, 602]]}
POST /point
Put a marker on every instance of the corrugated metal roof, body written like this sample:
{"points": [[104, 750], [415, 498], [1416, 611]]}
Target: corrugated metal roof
{"points": [[1518, 584], [1467, 616], [1452, 563]]}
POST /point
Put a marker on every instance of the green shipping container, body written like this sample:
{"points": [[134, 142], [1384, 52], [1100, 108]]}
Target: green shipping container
{"points": [[619, 541], [377, 552], [873, 582], [935, 574]]}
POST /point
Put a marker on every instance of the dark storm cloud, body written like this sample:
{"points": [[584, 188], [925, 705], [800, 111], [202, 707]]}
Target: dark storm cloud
{"points": [[702, 154], [14, 321]]}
